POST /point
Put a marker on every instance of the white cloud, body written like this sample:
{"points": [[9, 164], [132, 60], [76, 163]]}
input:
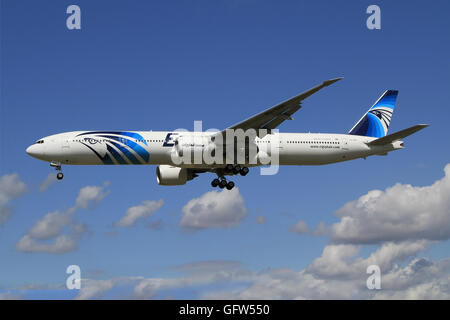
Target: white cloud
{"points": [[11, 187], [90, 196], [335, 261], [300, 227], [94, 289], [142, 211], [51, 179], [50, 225], [62, 244], [214, 209], [401, 212], [420, 279], [48, 234], [260, 219], [285, 284], [148, 288], [338, 273], [320, 230], [5, 214]]}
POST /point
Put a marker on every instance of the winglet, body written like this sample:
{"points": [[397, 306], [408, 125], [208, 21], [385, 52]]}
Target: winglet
{"points": [[331, 81]]}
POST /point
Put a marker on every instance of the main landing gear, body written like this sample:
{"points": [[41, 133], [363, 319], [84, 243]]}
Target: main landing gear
{"points": [[222, 183], [57, 166], [235, 169], [230, 169]]}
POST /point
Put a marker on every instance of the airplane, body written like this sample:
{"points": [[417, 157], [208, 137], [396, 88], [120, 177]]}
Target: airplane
{"points": [[366, 138]]}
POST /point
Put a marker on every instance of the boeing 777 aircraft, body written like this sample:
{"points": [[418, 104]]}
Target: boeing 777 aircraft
{"points": [[164, 148]]}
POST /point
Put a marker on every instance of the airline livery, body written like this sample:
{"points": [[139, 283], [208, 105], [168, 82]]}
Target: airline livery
{"points": [[181, 156]]}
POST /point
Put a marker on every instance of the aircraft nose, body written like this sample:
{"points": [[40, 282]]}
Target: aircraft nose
{"points": [[32, 151]]}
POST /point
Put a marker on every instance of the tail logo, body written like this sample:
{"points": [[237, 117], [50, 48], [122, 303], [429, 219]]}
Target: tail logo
{"points": [[375, 122], [384, 114]]}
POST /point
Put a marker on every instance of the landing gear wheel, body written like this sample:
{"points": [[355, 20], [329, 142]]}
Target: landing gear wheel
{"points": [[57, 166], [229, 168], [230, 185], [236, 169], [215, 183], [223, 184], [243, 171]]}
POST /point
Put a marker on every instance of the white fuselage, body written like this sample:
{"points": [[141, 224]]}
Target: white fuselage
{"points": [[156, 148]]}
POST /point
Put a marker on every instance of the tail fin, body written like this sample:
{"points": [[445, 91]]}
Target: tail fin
{"points": [[375, 122]]}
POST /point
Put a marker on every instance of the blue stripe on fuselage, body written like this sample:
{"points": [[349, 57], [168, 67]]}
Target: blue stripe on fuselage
{"points": [[126, 152], [133, 145]]}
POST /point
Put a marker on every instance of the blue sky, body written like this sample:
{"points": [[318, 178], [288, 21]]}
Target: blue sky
{"points": [[158, 65]]}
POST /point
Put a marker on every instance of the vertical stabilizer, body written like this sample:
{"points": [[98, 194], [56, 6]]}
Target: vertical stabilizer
{"points": [[375, 122]]}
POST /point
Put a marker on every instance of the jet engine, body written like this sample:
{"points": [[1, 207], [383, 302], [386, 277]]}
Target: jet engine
{"points": [[173, 176]]}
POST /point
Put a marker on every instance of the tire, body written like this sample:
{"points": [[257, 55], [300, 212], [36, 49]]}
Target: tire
{"points": [[236, 169], [230, 185], [215, 183], [59, 175], [222, 184], [244, 171]]}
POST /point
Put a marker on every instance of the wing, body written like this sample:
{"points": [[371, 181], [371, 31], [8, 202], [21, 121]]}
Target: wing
{"points": [[273, 117]]}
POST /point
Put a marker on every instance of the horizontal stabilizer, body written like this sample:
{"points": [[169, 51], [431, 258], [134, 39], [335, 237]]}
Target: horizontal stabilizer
{"points": [[397, 135]]}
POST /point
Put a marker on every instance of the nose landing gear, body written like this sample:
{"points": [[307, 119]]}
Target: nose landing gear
{"points": [[57, 166]]}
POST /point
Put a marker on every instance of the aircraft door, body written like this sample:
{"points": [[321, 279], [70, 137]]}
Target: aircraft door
{"points": [[344, 145], [65, 144]]}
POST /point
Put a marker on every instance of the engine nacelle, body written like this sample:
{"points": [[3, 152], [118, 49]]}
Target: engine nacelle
{"points": [[173, 176]]}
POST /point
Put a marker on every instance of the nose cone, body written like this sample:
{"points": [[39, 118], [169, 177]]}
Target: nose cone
{"points": [[33, 151]]}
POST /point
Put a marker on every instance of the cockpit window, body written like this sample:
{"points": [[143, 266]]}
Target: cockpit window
{"points": [[40, 141]]}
